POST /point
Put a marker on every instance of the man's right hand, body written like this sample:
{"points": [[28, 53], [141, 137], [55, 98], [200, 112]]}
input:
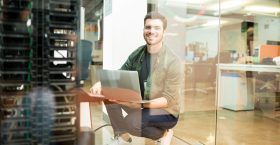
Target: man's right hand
{"points": [[96, 89]]}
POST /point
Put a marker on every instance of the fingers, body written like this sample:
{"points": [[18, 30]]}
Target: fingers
{"points": [[96, 88]]}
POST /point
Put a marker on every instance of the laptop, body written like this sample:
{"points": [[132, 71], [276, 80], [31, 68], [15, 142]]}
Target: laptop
{"points": [[121, 85]]}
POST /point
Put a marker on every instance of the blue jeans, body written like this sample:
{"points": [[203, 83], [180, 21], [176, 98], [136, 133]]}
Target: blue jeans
{"points": [[149, 123]]}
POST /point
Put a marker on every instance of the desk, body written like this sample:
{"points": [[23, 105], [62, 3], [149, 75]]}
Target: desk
{"points": [[200, 73], [242, 67], [248, 67], [86, 135], [84, 99]]}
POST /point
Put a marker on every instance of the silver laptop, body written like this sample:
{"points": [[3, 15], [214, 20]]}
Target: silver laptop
{"points": [[120, 85]]}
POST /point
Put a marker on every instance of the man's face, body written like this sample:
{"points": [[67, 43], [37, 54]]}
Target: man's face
{"points": [[153, 31]]}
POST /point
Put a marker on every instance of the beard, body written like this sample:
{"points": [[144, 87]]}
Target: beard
{"points": [[154, 40]]}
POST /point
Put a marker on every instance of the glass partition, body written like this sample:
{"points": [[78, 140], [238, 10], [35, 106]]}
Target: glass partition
{"points": [[230, 50], [248, 97], [38, 71], [193, 32]]}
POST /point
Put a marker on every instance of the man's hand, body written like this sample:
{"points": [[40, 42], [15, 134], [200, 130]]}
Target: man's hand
{"points": [[96, 89], [127, 104]]}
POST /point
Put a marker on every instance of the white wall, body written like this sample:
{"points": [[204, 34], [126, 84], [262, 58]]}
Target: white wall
{"points": [[123, 28], [82, 23], [267, 29], [123, 31], [175, 34], [206, 35]]}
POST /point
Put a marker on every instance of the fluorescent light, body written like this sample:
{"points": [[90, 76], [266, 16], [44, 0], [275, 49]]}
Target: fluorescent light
{"points": [[188, 1], [214, 23], [185, 20], [211, 23], [231, 4], [264, 9], [225, 11], [178, 3], [227, 5], [196, 1]]}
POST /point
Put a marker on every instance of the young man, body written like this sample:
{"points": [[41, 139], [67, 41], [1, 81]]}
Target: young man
{"points": [[160, 74]]}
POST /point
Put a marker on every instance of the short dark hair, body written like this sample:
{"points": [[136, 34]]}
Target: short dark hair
{"points": [[156, 15]]}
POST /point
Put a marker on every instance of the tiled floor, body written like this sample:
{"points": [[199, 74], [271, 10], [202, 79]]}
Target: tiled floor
{"points": [[198, 125]]}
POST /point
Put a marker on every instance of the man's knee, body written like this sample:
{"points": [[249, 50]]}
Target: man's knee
{"points": [[134, 125]]}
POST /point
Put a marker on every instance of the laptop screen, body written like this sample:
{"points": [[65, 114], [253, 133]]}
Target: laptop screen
{"points": [[120, 79]]}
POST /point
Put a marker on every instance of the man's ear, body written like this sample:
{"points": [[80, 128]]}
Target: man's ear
{"points": [[164, 32]]}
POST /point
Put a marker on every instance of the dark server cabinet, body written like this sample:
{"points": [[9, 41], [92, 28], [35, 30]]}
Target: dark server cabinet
{"points": [[38, 63]]}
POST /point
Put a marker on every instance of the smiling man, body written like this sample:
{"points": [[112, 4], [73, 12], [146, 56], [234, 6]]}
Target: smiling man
{"points": [[160, 75]]}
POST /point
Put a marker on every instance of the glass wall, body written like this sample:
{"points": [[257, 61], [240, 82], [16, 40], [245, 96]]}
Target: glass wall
{"points": [[248, 98], [230, 50], [38, 71], [193, 32], [231, 54]]}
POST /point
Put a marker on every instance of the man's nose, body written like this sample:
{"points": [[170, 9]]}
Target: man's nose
{"points": [[152, 30]]}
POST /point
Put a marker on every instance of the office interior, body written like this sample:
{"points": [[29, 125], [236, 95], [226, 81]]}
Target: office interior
{"points": [[51, 51]]}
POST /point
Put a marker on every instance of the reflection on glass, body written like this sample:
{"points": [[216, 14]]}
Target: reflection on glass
{"points": [[30, 82], [193, 34], [248, 100]]}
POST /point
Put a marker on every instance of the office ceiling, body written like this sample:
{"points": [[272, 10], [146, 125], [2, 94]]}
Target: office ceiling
{"points": [[200, 12], [202, 7], [185, 10], [208, 6], [91, 7]]}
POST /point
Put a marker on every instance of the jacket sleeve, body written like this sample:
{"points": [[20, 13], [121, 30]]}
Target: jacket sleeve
{"points": [[133, 59], [128, 64], [174, 82]]}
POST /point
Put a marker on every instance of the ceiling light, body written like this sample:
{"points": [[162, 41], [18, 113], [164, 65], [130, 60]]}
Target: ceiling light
{"points": [[178, 3], [185, 20], [214, 23], [188, 1], [264, 9], [229, 4], [185, 3], [196, 1]]}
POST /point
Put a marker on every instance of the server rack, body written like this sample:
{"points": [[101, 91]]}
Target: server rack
{"points": [[38, 61], [15, 72]]}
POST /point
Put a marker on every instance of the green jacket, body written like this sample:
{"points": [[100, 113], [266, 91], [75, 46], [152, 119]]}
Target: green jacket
{"points": [[166, 79]]}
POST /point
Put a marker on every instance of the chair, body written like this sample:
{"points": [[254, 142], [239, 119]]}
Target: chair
{"points": [[84, 59], [267, 90], [201, 73]]}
